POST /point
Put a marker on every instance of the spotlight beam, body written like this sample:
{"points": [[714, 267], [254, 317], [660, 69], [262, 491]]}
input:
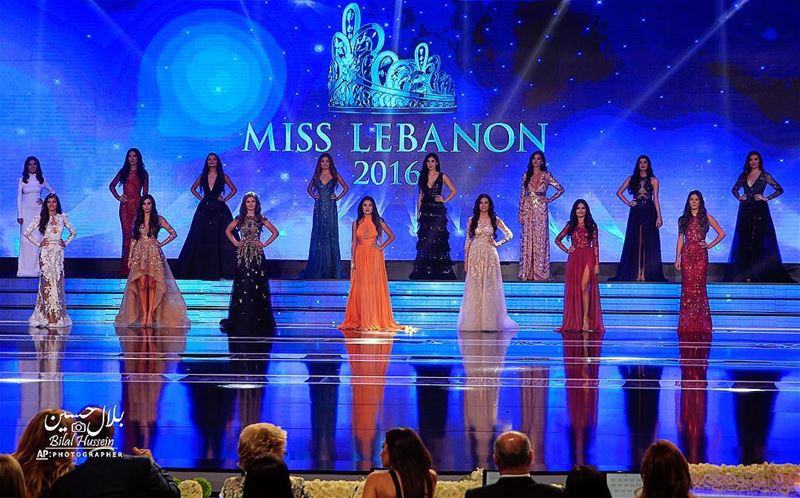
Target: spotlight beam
{"points": [[528, 69]]}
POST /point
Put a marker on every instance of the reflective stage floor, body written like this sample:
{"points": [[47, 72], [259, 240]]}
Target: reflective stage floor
{"points": [[730, 397]]}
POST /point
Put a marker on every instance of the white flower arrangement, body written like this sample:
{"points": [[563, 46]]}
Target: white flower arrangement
{"points": [[190, 489], [766, 478]]}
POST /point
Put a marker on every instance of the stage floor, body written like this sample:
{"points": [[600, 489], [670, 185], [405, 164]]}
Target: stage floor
{"points": [[733, 397]]}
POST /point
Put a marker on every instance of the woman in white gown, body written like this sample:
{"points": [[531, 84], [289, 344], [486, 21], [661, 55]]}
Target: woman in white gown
{"points": [[484, 305], [51, 305], [29, 203]]}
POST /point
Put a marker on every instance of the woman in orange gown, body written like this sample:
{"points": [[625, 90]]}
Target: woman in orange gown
{"points": [[369, 306]]}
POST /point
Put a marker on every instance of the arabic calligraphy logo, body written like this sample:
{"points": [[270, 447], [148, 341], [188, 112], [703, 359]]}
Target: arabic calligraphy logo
{"points": [[88, 429], [363, 77]]}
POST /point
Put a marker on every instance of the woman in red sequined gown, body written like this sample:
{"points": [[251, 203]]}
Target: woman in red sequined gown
{"points": [[581, 290], [135, 184], [691, 259]]}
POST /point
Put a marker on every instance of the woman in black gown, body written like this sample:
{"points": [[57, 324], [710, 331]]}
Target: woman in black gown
{"points": [[433, 246], [250, 310], [206, 253], [755, 255], [641, 252]]}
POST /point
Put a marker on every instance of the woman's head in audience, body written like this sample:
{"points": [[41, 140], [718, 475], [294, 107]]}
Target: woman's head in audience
{"points": [[665, 472], [258, 440], [41, 473], [585, 481], [404, 452], [267, 476], [12, 480]]}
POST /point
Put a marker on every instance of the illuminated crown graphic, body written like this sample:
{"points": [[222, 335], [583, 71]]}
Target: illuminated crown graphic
{"points": [[364, 78]]}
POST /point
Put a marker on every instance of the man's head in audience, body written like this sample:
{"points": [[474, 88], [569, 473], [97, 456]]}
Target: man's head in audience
{"points": [[513, 453]]}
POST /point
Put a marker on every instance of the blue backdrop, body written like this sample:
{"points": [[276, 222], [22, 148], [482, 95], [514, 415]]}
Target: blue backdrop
{"points": [[695, 85]]}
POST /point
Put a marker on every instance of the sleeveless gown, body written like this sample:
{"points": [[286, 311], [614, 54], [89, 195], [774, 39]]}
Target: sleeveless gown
{"points": [[207, 254], [433, 239], [582, 257], [642, 247], [324, 259], [369, 305], [250, 310], [695, 315], [755, 255]]}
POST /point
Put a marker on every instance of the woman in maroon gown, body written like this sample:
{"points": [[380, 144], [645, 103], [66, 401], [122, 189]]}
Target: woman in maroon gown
{"points": [[581, 291], [135, 184], [691, 259]]}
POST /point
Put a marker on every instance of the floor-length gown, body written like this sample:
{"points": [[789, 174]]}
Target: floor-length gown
{"points": [[483, 307], [582, 258], [51, 304], [369, 306], [132, 190], [642, 247], [324, 258], [207, 254], [695, 315], [755, 255], [250, 310], [147, 259], [28, 207], [433, 239], [534, 246]]}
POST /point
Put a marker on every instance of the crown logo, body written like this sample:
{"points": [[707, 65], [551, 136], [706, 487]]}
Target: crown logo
{"points": [[364, 78]]}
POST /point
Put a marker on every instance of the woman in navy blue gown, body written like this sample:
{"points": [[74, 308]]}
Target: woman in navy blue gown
{"points": [[324, 258], [641, 252], [755, 255], [206, 253]]}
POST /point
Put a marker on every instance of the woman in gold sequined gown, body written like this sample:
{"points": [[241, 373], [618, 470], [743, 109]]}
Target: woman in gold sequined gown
{"points": [[534, 248], [250, 310], [151, 295], [51, 306], [484, 304]]}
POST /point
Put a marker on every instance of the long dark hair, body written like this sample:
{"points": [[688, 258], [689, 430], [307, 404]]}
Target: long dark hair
{"points": [[376, 218], [585, 480], [204, 175], [686, 217], [332, 170], [588, 221], [125, 170], [44, 214], [26, 174], [747, 161], [153, 226], [633, 185], [243, 209], [423, 174], [476, 213], [529, 173], [409, 457], [665, 472], [267, 475]]}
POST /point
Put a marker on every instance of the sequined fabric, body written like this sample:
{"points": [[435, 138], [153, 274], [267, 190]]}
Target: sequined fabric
{"points": [[147, 259], [534, 250], [582, 259], [695, 315], [484, 304], [51, 305], [324, 258], [132, 190], [250, 309]]}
